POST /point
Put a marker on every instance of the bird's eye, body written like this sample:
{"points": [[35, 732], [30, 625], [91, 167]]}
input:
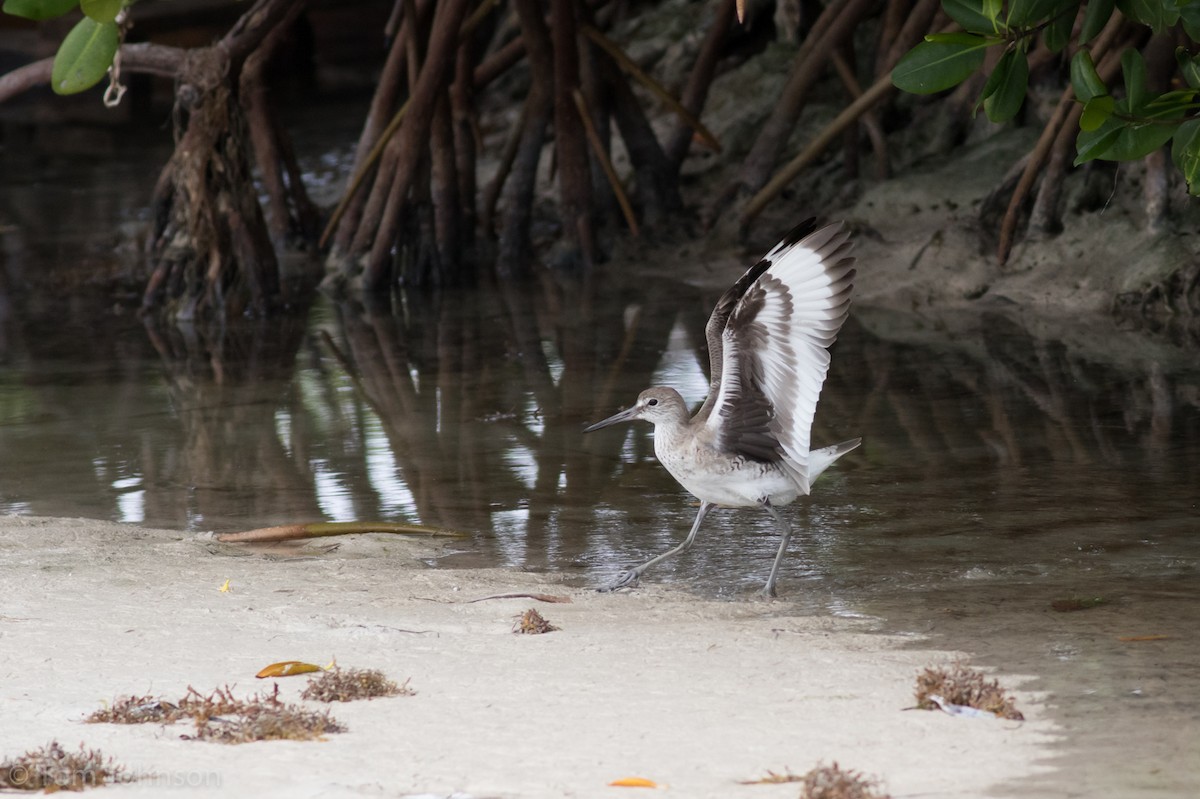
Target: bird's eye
{"points": [[652, 402]]}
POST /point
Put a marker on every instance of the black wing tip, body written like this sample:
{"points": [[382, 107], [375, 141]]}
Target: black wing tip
{"points": [[799, 232]]}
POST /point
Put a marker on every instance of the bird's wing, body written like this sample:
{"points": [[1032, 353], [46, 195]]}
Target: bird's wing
{"points": [[724, 307], [774, 349]]}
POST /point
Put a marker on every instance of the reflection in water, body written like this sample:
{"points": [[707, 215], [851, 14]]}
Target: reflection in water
{"points": [[464, 410], [1002, 470]]}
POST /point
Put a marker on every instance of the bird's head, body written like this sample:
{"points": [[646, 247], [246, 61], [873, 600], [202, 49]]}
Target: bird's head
{"points": [[655, 405]]}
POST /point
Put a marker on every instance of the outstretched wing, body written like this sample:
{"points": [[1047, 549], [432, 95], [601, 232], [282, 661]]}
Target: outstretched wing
{"points": [[728, 301], [775, 350]]}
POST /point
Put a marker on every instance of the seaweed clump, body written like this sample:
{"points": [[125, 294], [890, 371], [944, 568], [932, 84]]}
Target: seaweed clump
{"points": [[834, 782], [532, 623], [964, 686], [346, 685], [219, 716], [53, 768], [261, 717]]}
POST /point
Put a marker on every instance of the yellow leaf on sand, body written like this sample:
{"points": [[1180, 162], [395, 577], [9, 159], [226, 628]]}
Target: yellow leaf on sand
{"points": [[634, 782], [225, 588], [287, 668]]}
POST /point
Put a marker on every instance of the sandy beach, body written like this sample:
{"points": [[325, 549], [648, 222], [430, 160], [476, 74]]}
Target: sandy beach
{"points": [[694, 694]]}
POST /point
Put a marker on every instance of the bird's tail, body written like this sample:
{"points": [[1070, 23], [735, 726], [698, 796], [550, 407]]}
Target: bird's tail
{"points": [[820, 459]]}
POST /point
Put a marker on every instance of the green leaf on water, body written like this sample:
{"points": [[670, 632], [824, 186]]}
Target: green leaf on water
{"points": [[933, 66], [102, 10], [84, 56], [1005, 89], [38, 9]]}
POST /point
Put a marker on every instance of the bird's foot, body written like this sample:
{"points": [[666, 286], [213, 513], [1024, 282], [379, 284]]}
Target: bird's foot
{"points": [[626, 579], [767, 593]]}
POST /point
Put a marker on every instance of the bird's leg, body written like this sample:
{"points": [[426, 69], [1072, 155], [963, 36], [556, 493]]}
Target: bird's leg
{"points": [[785, 533], [628, 579]]}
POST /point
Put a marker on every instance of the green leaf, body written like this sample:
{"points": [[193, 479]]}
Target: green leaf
{"points": [[1121, 140], [1189, 67], [1096, 112], [1023, 13], [84, 56], [1185, 152], [1189, 16], [38, 9], [1158, 14], [1138, 141], [1058, 31], [1085, 80], [101, 10], [978, 16], [1133, 67], [1095, 17], [1090, 145], [1005, 89], [933, 66]]}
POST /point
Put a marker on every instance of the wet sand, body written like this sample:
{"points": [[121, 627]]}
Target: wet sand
{"points": [[693, 694]]}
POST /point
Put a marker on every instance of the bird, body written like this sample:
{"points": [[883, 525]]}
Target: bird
{"points": [[768, 344]]}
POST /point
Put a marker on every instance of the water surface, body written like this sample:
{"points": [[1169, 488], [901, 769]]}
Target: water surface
{"points": [[1012, 469]]}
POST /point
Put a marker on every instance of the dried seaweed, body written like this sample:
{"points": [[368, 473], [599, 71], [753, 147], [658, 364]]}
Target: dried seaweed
{"points": [[531, 623], [137, 710], [959, 684], [346, 685], [834, 782], [773, 778], [826, 782], [53, 768], [261, 717], [219, 716]]}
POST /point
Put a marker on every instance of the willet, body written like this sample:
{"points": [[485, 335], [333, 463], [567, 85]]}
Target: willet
{"points": [[768, 340]]}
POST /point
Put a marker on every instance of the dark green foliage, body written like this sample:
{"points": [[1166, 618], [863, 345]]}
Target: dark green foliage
{"points": [[1121, 125]]}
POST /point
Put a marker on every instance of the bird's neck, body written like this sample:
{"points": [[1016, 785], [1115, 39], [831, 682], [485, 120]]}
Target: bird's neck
{"points": [[670, 435]]}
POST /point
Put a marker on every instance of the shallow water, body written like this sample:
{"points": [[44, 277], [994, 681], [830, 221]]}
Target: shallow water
{"points": [[1010, 470]]}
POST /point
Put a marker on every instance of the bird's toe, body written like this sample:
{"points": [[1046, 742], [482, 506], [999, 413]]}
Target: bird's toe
{"points": [[626, 579]]}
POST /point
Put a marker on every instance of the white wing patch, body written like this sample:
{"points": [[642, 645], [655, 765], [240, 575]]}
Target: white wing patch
{"points": [[778, 335]]}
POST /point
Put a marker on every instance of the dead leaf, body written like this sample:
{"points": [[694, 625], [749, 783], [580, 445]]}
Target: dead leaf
{"points": [[634, 782], [1130, 638], [287, 668]]}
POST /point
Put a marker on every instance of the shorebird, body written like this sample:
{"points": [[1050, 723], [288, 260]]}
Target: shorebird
{"points": [[768, 340]]}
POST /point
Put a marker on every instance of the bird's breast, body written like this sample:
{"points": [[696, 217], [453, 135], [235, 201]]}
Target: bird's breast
{"points": [[718, 477]]}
